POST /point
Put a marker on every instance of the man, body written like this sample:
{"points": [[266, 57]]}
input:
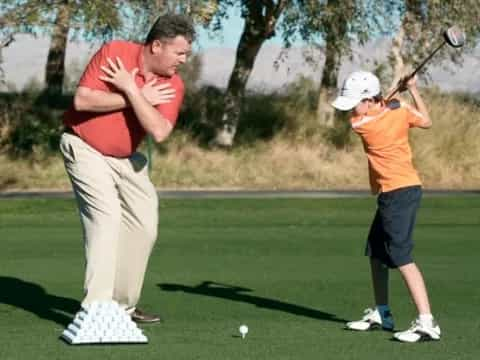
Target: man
{"points": [[383, 128], [128, 90]]}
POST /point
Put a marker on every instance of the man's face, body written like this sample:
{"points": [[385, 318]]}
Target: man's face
{"points": [[168, 55]]}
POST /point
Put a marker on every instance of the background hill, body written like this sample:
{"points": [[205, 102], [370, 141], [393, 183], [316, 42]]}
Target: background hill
{"points": [[25, 59]]}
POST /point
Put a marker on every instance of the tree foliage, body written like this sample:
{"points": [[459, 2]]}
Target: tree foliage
{"points": [[328, 24], [61, 19], [142, 14], [422, 25]]}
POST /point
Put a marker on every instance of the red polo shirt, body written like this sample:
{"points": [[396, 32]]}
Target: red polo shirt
{"points": [[118, 133]]}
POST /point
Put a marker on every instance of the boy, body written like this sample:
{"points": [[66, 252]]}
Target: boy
{"points": [[383, 128]]}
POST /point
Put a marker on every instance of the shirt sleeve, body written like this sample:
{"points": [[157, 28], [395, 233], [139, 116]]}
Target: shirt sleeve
{"points": [[414, 117], [171, 110], [90, 77]]}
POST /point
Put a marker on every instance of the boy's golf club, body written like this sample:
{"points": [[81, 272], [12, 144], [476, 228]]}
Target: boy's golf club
{"points": [[453, 36]]}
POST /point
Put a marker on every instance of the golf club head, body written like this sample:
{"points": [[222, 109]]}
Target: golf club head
{"points": [[454, 37]]}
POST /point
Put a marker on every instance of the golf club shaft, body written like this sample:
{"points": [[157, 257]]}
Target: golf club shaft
{"points": [[417, 69]]}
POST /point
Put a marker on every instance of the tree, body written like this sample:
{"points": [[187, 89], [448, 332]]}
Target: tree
{"points": [[261, 21], [55, 68], [334, 22], [343, 24], [261, 18], [421, 28], [336, 26], [61, 19], [4, 42], [145, 13]]}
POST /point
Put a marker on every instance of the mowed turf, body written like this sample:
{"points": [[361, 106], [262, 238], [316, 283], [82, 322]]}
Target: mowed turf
{"points": [[293, 270]]}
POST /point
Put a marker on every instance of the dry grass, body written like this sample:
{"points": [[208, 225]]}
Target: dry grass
{"points": [[276, 164], [297, 158], [27, 174], [447, 155]]}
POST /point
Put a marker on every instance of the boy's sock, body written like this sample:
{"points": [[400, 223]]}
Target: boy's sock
{"points": [[426, 319], [384, 311]]}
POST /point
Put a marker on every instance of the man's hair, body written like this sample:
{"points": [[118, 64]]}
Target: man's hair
{"points": [[170, 26]]}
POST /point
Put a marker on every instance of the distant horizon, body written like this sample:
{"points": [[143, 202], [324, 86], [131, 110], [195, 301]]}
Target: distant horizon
{"points": [[25, 60]]}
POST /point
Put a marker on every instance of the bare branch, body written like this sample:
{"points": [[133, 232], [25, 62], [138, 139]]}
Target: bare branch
{"points": [[7, 41]]}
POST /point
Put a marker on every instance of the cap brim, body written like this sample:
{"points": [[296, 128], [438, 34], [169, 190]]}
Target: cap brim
{"points": [[345, 103]]}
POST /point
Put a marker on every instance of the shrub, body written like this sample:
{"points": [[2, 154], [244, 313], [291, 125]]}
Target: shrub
{"points": [[31, 121]]}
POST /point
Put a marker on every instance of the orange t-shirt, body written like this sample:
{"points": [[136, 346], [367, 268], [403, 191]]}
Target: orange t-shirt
{"points": [[118, 133], [384, 133]]}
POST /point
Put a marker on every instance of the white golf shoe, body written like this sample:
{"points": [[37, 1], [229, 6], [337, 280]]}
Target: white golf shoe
{"points": [[372, 321], [419, 331]]}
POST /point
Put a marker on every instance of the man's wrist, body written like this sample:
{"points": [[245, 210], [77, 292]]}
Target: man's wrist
{"points": [[132, 92]]}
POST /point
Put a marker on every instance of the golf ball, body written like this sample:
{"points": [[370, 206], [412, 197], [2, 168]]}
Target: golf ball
{"points": [[243, 330]]}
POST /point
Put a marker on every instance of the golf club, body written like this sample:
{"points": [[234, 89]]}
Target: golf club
{"points": [[453, 36]]}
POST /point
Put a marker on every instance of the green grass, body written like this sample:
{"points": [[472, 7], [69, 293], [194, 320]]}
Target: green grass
{"points": [[292, 270]]}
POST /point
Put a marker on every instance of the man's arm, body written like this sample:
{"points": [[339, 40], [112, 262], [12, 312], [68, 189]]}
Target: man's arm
{"points": [[151, 120], [87, 99]]}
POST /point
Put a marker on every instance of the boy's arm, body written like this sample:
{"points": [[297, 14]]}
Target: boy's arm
{"points": [[419, 103]]}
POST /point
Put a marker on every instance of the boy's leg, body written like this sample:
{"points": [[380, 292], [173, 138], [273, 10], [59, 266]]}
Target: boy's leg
{"points": [[399, 219], [379, 261], [379, 281], [424, 327], [380, 316], [414, 281]]}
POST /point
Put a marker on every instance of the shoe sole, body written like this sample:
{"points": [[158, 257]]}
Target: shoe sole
{"points": [[138, 321], [424, 338], [373, 327]]}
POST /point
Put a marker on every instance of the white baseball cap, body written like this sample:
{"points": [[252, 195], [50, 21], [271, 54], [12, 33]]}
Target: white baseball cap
{"points": [[359, 85]]}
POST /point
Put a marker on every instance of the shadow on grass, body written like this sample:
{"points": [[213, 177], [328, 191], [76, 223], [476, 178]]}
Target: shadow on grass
{"points": [[236, 293], [33, 298]]}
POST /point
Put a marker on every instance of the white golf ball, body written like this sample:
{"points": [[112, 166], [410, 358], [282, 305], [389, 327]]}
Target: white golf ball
{"points": [[243, 330]]}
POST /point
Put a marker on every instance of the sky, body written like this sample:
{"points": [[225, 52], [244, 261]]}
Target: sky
{"points": [[25, 60], [229, 36]]}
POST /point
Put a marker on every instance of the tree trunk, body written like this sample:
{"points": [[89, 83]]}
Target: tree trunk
{"points": [[55, 68], [3, 44], [396, 58], [411, 24], [260, 21], [328, 85], [248, 48], [336, 29]]}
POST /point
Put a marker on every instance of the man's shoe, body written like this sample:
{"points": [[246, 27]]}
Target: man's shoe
{"points": [[372, 321], [139, 316], [419, 331]]}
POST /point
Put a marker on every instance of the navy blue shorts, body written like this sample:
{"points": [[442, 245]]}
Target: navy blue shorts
{"points": [[390, 238]]}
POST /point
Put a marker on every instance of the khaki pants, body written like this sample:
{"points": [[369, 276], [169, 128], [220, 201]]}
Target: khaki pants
{"points": [[118, 208]]}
